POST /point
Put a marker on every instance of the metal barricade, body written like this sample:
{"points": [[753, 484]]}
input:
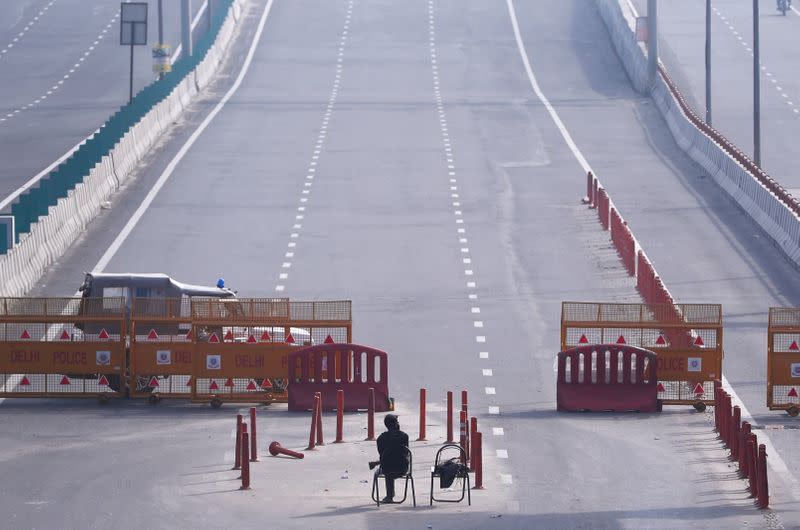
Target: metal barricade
{"points": [[328, 368], [687, 339], [161, 348], [783, 360], [62, 347], [242, 345]]}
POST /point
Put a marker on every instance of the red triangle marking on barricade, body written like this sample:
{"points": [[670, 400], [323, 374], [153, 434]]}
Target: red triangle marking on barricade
{"points": [[621, 340], [794, 347], [266, 383], [583, 340], [661, 341], [213, 339], [102, 381], [251, 339], [64, 335], [25, 381], [189, 335], [289, 338], [152, 335], [229, 335], [699, 341], [252, 385], [103, 334], [153, 382], [328, 340], [25, 335], [661, 388], [698, 390], [189, 382], [792, 393], [265, 337], [213, 385], [65, 380], [229, 382]]}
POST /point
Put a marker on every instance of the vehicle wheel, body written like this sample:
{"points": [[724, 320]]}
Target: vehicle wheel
{"points": [[103, 399], [154, 399], [216, 403], [793, 411], [699, 406]]}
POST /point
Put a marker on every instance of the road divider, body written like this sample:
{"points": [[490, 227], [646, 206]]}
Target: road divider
{"points": [[50, 217], [771, 206]]}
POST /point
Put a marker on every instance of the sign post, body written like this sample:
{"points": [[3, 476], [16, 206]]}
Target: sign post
{"points": [[133, 31]]}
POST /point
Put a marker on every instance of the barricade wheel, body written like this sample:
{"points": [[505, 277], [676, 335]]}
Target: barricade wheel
{"points": [[216, 403], [699, 406], [153, 399], [793, 411], [103, 399]]}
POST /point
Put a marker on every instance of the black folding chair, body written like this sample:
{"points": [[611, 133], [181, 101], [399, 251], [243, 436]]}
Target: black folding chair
{"points": [[408, 475], [451, 461]]}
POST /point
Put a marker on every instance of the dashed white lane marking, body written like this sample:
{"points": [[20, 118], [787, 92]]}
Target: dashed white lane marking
{"points": [[493, 409], [60, 82], [506, 478], [318, 148], [167, 173], [487, 372], [498, 431], [490, 390], [25, 29], [483, 354], [501, 453]]}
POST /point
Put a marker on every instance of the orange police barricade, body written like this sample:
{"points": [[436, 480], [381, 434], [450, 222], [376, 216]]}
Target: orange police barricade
{"points": [[605, 377], [687, 339], [161, 348], [783, 360], [328, 368], [62, 347], [242, 345]]}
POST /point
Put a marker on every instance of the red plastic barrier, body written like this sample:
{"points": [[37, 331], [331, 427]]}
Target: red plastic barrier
{"points": [[328, 368], [586, 381]]}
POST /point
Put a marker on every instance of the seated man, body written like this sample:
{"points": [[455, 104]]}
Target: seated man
{"points": [[393, 459]]}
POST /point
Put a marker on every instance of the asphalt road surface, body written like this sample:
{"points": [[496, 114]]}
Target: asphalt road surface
{"points": [[397, 155], [63, 73]]}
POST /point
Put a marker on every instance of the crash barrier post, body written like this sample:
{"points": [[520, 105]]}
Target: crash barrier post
{"points": [[339, 416], [743, 432], [161, 348], [589, 378], [762, 500], [312, 435], [686, 337], [275, 449], [242, 346], [477, 444], [253, 442], [421, 415], [245, 458], [330, 367], [238, 445], [449, 416], [371, 415], [320, 440], [62, 347], [473, 428], [736, 424], [783, 360], [463, 434]]}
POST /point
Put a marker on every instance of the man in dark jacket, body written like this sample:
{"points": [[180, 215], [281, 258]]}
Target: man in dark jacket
{"points": [[393, 458]]}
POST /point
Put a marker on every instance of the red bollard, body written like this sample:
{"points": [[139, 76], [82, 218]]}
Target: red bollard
{"points": [[473, 428], [422, 393], [371, 415], [752, 442], [463, 434], [253, 443], [717, 405], [477, 444], [339, 417], [762, 500], [275, 449], [589, 197], [595, 193], [465, 410], [726, 419], [737, 427], [449, 416], [238, 449], [745, 430], [312, 435], [320, 441], [245, 458]]}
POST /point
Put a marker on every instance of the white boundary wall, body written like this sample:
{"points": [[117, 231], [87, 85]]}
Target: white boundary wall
{"points": [[773, 215], [53, 234]]}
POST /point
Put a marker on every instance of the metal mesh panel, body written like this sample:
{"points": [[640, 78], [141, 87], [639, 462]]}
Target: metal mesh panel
{"points": [[784, 317], [683, 392], [780, 395], [642, 313], [783, 342], [61, 307], [22, 384], [154, 309], [173, 384], [328, 310], [57, 332], [237, 386]]}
